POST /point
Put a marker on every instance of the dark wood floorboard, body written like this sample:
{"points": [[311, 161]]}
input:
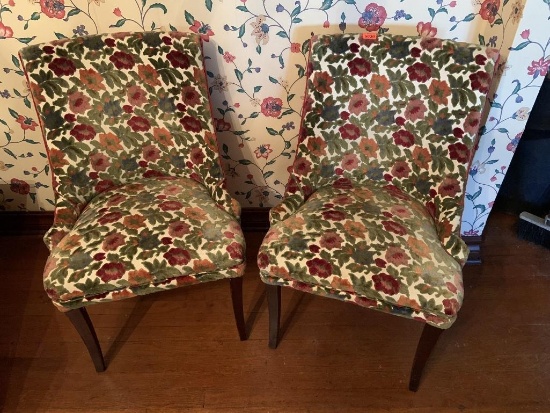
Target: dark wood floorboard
{"points": [[179, 351]]}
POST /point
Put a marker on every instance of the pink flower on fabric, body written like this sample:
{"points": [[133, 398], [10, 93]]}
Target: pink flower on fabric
{"points": [[177, 256], [117, 12], [99, 162], [136, 95], [319, 267], [385, 283], [111, 271], [79, 102], [358, 103]]}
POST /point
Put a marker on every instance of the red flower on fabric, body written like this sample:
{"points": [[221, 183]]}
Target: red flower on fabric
{"points": [[197, 156], [472, 121], [178, 229], [272, 107], [178, 59], [459, 152], [177, 256], [235, 251], [19, 186], [350, 131], [191, 124], [263, 260], [489, 10], [401, 169], [358, 103], [139, 124], [415, 110], [53, 8], [322, 82], [190, 96], [62, 66], [481, 81], [319, 267], [113, 241], [394, 227], [111, 271], [122, 60], [110, 217], [385, 283], [331, 240], [419, 72], [359, 67], [302, 166], [171, 206], [449, 187], [403, 138], [332, 215], [103, 186], [342, 183], [79, 102], [83, 132], [451, 306]]}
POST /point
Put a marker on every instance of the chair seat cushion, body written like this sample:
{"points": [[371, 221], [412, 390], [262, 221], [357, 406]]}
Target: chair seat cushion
{"points": [[157, 233], [368, 244]]}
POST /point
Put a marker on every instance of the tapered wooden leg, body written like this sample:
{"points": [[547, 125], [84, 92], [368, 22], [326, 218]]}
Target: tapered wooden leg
{"points": [[81, 321], [428, 339], [274, 304], [236, 285]]}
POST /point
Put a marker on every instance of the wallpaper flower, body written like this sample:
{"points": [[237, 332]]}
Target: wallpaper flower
{"points": [[256, 54]]}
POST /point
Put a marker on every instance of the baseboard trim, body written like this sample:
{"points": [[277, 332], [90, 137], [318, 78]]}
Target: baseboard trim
{"points": [[253, 219]]}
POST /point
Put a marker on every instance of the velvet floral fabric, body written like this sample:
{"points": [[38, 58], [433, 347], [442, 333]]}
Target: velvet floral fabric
{"points": [[141, 203], [373, 204]]}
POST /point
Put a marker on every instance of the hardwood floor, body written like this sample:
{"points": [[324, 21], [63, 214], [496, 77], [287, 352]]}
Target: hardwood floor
{"points": [[179, 351]]}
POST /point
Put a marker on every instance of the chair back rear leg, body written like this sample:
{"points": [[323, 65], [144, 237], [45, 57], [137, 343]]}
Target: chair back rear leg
{"points": [[236, 285], [81, 321], [274, 304], [427, 342]]}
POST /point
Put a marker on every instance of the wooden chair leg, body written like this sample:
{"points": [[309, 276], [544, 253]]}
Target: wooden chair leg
{"points": [[274, 304], [236, 285], [81, 321], [427, 342]]}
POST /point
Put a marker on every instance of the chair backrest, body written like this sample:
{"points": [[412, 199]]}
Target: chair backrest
{"points": [[399, 111], [116, 108]]}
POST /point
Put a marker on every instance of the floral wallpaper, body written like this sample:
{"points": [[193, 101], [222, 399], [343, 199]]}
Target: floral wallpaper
{"points": [[256, 53]]}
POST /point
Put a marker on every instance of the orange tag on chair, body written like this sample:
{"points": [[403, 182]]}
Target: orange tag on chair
{"points": [[370, 35]]}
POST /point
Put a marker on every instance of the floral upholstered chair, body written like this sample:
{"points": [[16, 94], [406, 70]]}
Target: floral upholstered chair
{"points": [[373, 205], [140, 199]]}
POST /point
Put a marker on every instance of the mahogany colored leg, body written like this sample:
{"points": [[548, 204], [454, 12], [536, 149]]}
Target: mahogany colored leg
{"points": [[427, 342], [81, 321], [236, 285], [274, 304]]}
